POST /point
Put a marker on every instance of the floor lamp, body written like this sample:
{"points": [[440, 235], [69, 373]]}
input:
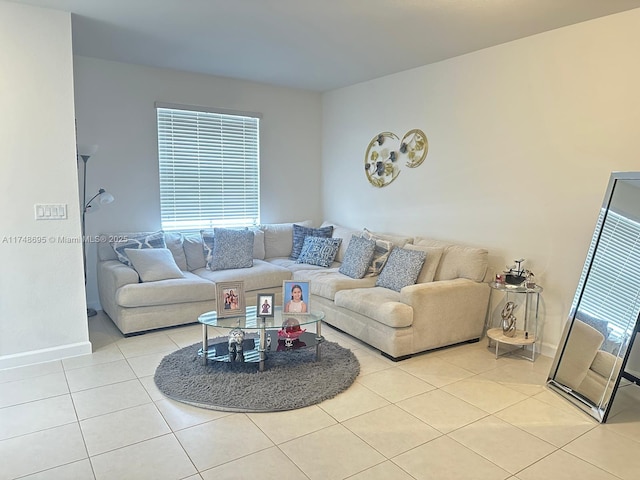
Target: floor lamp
{"points": [[102, 197]]}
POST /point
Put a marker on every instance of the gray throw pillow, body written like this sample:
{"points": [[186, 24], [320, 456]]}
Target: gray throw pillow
{"points": [[319, 251], [144, 240], [232, 249], [153, 264], [402, 269], [380, 254], [358, 257], [300, 233]]}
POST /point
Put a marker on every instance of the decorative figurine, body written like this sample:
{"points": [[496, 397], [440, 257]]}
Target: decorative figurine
{"points": [[529, 282], [236, 337], [509, 319], [516, 274]]}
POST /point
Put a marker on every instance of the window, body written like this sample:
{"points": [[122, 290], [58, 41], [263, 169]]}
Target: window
{"points": [[209, 168], [608, 294]]}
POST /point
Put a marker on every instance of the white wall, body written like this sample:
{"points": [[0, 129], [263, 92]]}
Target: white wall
{"points": [[42, 305], [522, 140], [115, 110]]}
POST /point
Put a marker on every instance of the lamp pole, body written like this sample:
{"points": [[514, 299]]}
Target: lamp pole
{"points": [[85, 158], [105, 197]]}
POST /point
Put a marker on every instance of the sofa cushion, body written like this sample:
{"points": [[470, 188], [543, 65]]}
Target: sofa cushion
{"points": [[377, 303], [231, 249], [459, 261], [300, 233], [173, 241], [327, 282], [153, 264], [193, 245], [263, 275], [175, 244], [294, 266], [358, 257], [138, 241], [208, 241], [401, 269], [258, 243], [278, 238], [345, 234], [190, 288], [397, 240], [380, 255], [319, 251], [431, 262]]}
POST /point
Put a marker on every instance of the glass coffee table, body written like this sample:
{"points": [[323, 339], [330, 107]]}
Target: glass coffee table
{"points": [[271, 335]]}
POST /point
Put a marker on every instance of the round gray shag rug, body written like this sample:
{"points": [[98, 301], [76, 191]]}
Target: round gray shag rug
{"points": [[291, 379]]}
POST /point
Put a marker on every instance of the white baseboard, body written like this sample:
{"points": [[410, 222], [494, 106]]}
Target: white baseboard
{"points": [[548, 350], [45, 355]]}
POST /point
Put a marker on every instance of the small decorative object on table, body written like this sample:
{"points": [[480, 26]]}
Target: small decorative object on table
{"points": [[290, 331], [529, 282], [509, 319], [236, 337], [516, 274]]}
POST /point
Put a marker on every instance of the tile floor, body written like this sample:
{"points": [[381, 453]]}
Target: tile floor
{"points": [[456, 413]]}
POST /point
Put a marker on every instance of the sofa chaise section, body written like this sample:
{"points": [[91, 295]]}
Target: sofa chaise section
{"points": [[448, 310]]}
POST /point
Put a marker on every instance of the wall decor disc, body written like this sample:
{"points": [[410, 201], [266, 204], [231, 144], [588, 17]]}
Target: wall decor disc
{"points": [[415, 146], [381, 164]]}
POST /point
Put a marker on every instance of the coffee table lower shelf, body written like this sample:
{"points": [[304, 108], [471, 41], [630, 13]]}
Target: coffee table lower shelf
{"points": [[521, 339], [219, 351]]}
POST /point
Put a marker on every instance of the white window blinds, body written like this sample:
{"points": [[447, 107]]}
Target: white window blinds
{"points": [[612, 293], [209, 169]]}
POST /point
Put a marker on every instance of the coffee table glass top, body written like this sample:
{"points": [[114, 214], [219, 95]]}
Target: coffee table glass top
{"points": [[252, 320]]}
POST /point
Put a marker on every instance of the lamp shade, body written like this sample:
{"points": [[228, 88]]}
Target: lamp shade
{"points": [[105, 197], [87, 150]]}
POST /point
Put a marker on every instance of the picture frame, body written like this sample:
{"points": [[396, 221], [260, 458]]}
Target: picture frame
{"points": [[265, 304], [230, 299], [290, 302]]}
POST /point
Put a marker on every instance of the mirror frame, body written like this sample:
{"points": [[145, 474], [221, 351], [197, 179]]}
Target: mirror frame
{"points": [[600, 414]]}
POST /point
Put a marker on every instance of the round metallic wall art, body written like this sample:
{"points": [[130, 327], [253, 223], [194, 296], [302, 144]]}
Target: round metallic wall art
{"points": [[381, 164]]}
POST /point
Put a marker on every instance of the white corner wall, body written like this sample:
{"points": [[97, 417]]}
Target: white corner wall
{"points": [[115, 110], [522, 140], [42, 305]]}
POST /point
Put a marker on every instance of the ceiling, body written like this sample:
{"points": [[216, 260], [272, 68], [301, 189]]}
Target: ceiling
{"points": [[315, 45]]}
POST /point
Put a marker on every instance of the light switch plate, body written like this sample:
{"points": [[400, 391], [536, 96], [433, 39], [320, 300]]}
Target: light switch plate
{"points": [[51, 211]]}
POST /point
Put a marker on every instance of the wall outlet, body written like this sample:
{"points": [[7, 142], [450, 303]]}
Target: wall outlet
{"points": [[51, 211]]}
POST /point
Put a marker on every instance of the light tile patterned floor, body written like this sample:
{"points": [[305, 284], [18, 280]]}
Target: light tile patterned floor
{"points": [[456, 413]]}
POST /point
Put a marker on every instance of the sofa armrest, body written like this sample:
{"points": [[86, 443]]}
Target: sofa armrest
{"points": [[604, 363], [113, 274], [448, 311]]}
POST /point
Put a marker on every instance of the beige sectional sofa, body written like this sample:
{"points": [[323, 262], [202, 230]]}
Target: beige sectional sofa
{"points": [[449, 306], [446, 306]]}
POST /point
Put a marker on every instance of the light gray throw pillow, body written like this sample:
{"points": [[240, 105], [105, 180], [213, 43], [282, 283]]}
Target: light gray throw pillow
{"points": [[153, 264]]}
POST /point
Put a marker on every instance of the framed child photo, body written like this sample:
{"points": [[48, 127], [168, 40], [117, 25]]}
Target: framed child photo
{"points": [[265, 304], [295, 297], [230, 299]]}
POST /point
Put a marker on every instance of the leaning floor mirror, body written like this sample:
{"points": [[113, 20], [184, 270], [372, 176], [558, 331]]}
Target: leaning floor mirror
{"points": [[598, 353]]}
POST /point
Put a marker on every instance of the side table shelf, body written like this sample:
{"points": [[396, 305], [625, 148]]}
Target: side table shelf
{"points": [[526, 334]]}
